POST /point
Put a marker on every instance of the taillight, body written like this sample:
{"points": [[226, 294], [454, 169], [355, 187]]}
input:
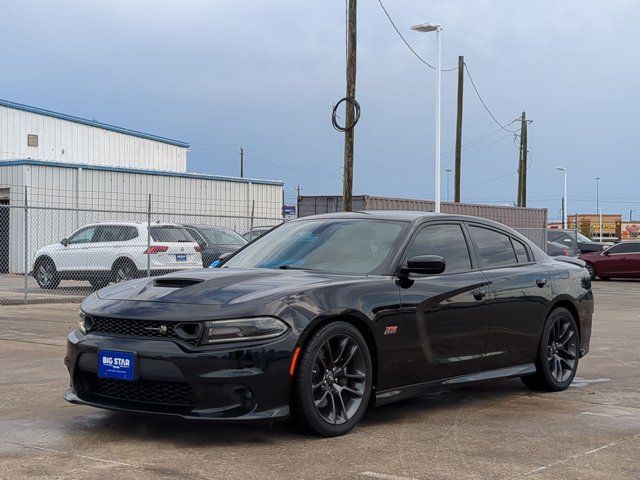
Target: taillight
{"points": [[198, 248], [156, 249]]}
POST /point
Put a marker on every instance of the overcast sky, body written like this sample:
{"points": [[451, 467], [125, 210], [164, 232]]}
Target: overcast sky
{"points": [[265, 74]]}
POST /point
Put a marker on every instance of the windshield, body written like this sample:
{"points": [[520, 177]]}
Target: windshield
{"points": [[220, 236], [169, 233], [584, 239], [333, 245]]}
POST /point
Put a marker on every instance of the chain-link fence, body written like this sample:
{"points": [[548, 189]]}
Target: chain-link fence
{"points": [[51, 251], [556, 242]]}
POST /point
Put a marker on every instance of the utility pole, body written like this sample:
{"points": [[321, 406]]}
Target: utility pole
{"points": [[630, 215], [241, 162], [456, 194], [522, 166], [347, 184], [298, 190]]}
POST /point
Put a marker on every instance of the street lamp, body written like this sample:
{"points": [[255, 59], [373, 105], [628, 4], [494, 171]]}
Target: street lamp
{"points": [[426, 28], [448, 180], [565, 218], [598, 211]]}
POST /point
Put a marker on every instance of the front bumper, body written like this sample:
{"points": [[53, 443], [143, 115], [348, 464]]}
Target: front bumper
{"points": [[222, 383]]}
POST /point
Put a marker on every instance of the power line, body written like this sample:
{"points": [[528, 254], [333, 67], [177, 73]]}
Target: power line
{"points": [[404, 40], [473, 84]]}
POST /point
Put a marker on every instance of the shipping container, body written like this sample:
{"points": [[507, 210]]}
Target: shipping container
{"points": [[531, 222]]}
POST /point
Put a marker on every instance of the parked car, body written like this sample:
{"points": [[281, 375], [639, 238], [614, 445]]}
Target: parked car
{"points": [[575, 241], [101, 253], [326, 315], [255, 232], [215, 241], [618, 261], [557, 250]]}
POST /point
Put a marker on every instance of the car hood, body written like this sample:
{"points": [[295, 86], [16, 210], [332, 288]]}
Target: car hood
{"points": [[216, 286]]}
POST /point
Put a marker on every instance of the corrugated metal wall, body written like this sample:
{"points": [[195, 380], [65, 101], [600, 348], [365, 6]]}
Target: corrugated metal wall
{"points": [[531, 222], [77, 196], [69, 142]]}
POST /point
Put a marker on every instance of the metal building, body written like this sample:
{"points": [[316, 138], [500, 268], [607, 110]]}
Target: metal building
{"points": [[58, 173]]}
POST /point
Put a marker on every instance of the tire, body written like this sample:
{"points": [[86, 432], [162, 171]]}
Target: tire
{"points": [[123, 270], [99, 283], [592, 270], [46, 274], [558, 353], [334, 380]]}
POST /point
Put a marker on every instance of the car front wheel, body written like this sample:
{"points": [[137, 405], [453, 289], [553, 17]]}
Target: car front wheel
{"points": [[334, 379], [46, 274], [558, 352]]}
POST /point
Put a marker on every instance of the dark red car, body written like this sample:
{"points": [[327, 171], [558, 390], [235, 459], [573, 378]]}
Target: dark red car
{"points": [[621, 260]]}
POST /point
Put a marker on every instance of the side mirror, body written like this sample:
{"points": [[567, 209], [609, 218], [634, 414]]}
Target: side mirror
{"points": [[64, 241], [606, 252], [425, 264]]}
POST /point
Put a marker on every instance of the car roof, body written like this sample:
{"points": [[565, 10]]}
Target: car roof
{"points": [[405, 216], [130, 224]]}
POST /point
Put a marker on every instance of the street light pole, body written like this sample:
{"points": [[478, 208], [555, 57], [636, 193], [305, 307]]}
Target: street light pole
{"points": [[565, 218], [425, 28], [598, 211]]}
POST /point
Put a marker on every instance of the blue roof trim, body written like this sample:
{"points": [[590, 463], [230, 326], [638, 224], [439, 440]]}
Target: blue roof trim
{"points": [[160, 173], [92, 123]]}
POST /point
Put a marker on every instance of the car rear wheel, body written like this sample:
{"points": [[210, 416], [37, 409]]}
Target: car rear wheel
{"points": [[591, 269], [558, 352], [46, 274], [334, 380], [124, 270]]}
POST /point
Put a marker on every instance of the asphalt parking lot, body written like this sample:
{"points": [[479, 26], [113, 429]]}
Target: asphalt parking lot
{"points": [[498, 430]]}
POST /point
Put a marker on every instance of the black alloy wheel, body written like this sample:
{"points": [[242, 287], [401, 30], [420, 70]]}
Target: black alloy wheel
{"points": [[591, 269], [124, 270], [334, 379], [47, 275], [558, 353]]}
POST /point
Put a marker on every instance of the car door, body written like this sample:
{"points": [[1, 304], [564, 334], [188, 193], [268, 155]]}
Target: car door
{"points": [[73, 256], [443, 319], [105, 247], [633, 259], [614, 261], [520, 296]]}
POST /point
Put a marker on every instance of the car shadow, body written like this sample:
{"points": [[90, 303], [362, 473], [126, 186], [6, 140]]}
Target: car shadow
{"points": [[141, 427]]}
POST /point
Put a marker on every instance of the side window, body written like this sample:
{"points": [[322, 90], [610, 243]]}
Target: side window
{"points": [[625, 248], [495, 248], [521, 251], [107, 233], [446, 241], [128, 233], [82, 236]]}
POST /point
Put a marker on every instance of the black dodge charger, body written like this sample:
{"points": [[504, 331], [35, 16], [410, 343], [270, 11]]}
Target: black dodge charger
{"points": [[326, 315]]}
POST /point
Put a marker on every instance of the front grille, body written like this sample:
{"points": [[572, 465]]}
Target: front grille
{"points": [[185, 331], [144, 391]]}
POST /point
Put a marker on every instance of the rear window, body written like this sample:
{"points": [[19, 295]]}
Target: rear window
{"points": [[170, 234]]}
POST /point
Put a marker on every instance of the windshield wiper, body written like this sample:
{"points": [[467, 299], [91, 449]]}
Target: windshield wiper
{"points": [[289, 267]]}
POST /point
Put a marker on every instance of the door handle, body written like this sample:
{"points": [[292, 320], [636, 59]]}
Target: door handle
{"points": [[541, 282], [479, 294]]}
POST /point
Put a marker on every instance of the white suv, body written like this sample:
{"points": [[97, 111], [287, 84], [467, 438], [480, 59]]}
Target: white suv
{"points": [[113, 252]]}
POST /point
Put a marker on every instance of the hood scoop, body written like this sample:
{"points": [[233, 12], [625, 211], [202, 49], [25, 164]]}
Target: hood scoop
{"points": [[169, 282]]}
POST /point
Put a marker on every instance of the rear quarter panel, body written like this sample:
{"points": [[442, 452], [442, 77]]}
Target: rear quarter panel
{"points": [[571, 283]]}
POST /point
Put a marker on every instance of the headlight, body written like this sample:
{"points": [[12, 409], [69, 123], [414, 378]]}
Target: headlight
{"points": [[259, 328], [84, 322]]}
